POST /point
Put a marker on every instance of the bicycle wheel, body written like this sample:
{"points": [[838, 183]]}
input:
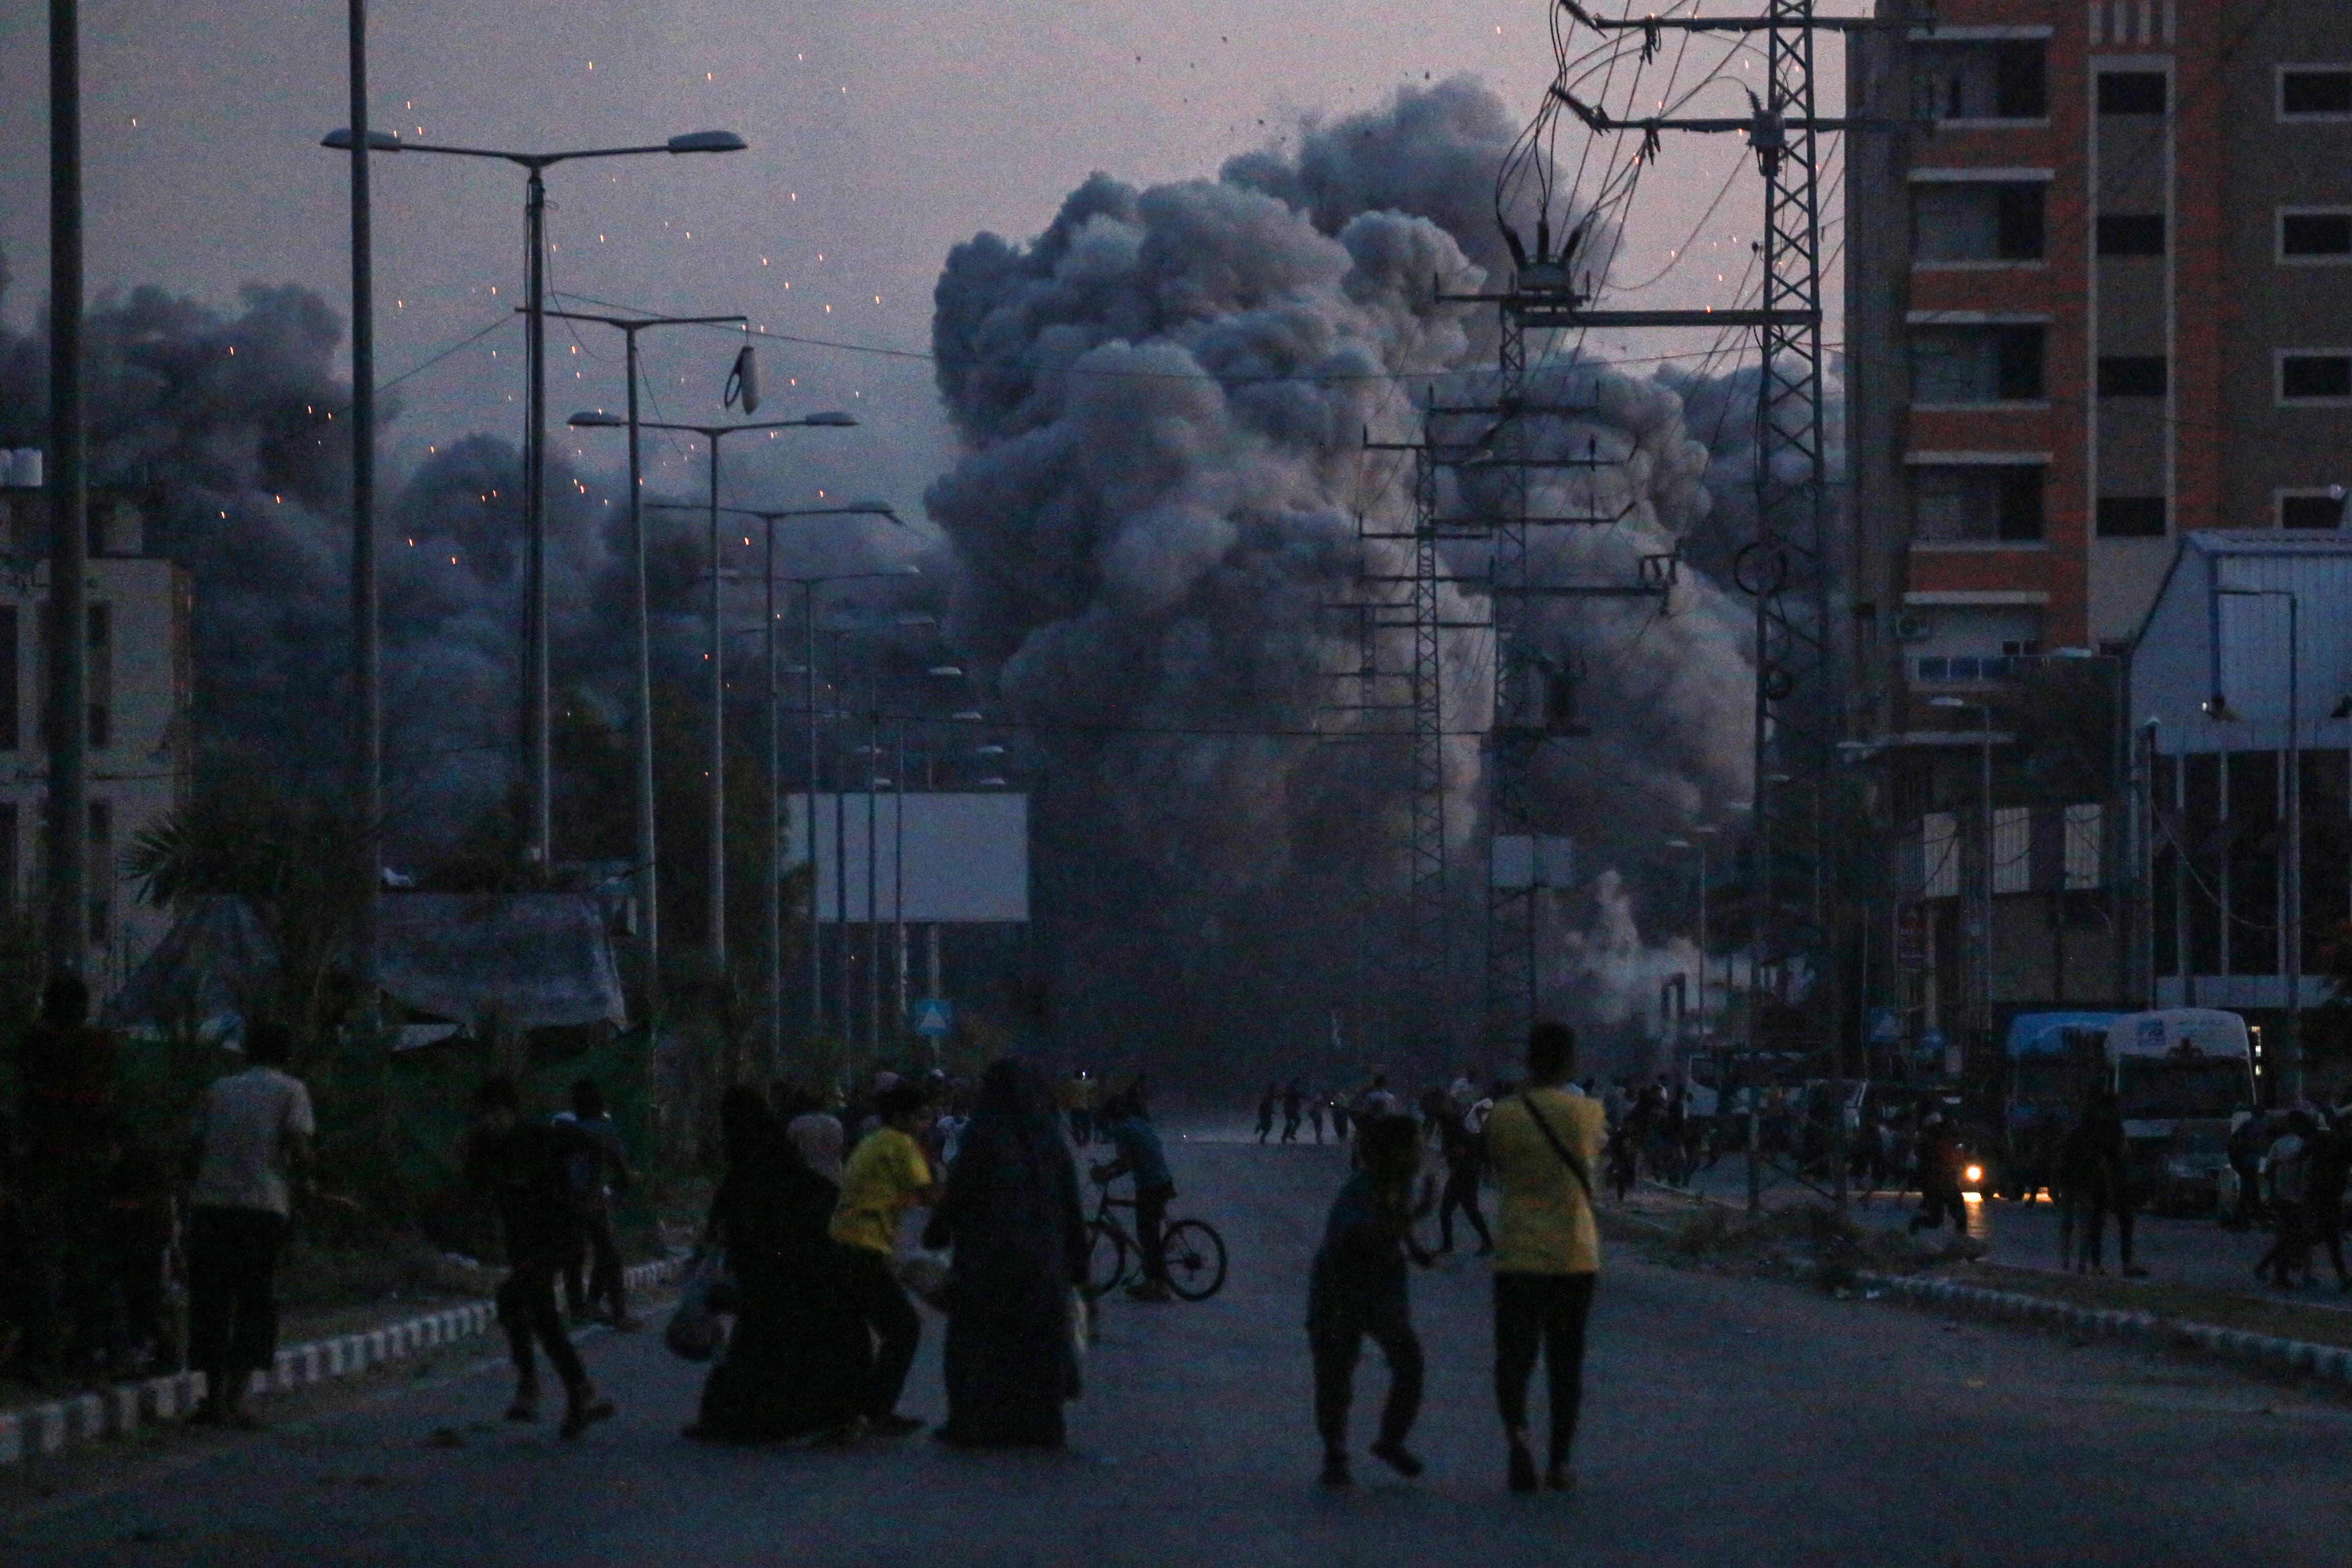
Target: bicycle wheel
{"points": [[1194, 1256], [1107, 1260]]}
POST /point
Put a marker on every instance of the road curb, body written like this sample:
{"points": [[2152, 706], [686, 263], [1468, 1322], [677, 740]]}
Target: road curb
{"points": [[32, 1431], [2265, 1353]]}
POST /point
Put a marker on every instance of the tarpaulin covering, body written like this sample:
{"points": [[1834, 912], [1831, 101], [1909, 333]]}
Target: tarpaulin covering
{"points": [[534, 960], [215, 963]]}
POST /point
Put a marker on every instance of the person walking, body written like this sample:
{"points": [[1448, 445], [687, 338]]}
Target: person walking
{"points": [[525, 1167], [1294, 1108], [2287, 1179], [1939, 1179], [1010, 1212], [594, 1174], [1264, 1112], [1359, 1289], [1315, 1116], [1464, 1153], [2108, 1175], [1543, 1142], [66, 1077], [1140, 1155], [1339, 1105], [252, 1145], [2331, 1166], [2076, 1177], [799, 1360], [886, 1177]]}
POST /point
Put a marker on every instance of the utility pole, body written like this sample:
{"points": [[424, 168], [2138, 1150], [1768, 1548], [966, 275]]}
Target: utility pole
{"points": [[67, 719], [367, 649], [1787, 568]]}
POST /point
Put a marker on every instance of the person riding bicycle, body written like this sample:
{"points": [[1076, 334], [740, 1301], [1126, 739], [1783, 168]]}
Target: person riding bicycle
{"points": [[1140, 1155]]}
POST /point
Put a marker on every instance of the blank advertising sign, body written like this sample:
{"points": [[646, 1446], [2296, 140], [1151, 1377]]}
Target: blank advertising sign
{"points": [[966, 856]]}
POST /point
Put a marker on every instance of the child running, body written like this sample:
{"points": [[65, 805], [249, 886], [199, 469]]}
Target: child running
{"points": [[1359, 1289]]}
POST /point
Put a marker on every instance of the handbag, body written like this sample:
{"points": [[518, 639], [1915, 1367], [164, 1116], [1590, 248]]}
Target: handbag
{"points": [[698, 1327]]}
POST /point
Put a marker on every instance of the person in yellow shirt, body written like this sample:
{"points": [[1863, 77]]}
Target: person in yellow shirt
{"points": [[1545, 1143], [885, 1176]]}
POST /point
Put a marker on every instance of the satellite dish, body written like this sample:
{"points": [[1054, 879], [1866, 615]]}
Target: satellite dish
{"points": [[743, 381]]}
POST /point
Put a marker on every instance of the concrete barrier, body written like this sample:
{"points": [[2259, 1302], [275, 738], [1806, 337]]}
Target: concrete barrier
{"points": [[2267, 1352], [57, 1425]]}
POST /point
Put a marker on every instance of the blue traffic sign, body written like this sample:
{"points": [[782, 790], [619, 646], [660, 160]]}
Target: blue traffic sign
{"points": [[934, 1017]]}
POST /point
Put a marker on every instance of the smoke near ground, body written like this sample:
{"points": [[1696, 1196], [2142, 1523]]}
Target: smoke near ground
{"points": [[1164, 398]]}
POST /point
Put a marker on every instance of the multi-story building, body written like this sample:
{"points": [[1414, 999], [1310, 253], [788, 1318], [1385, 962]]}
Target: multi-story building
{"points": [[2103, 299], [138, 690]]}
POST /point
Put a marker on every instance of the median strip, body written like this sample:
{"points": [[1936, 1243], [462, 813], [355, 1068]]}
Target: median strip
{"points": [[57, 1425]]}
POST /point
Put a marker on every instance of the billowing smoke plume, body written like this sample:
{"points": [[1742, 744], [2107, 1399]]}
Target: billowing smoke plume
{"points": [[228, 430], [1164, 398]]}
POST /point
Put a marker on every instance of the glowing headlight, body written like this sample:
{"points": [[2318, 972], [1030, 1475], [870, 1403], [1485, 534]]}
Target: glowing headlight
{"points": [[1975, 1173]]}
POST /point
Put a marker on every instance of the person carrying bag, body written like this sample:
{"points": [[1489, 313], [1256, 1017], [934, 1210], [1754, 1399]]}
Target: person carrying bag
{"points": [[1543, 1144]]}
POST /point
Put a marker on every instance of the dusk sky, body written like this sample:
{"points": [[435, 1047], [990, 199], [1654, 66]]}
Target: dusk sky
{"points": [[881, 134]]}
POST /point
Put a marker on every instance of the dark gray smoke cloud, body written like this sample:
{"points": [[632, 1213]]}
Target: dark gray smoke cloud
{"points": [[228, 428], [1163, 398]]}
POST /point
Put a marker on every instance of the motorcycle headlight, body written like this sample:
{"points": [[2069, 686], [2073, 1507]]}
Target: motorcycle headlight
{"points": [[1974, 1173]]}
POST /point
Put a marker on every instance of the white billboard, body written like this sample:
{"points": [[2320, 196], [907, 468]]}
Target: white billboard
{"points": [[966, 856]]}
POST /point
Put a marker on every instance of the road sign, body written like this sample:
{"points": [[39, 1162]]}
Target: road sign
{"points": [[935, 1017]]}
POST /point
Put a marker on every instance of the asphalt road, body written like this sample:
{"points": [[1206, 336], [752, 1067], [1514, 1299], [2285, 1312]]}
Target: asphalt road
{"points": [[1728, 1422]]}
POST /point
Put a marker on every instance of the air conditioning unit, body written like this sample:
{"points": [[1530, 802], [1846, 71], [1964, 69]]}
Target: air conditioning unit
{"points": [[1912, 627]]}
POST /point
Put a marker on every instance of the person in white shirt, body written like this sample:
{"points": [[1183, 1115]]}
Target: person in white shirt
{"points": [[252, 1140]]}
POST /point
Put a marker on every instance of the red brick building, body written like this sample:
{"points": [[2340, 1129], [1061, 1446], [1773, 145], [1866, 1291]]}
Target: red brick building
{"points": [[2103, 299]]}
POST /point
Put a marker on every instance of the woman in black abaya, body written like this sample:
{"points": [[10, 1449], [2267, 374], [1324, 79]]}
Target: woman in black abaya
{"points": [[798, 1360], [1010, 1211]]}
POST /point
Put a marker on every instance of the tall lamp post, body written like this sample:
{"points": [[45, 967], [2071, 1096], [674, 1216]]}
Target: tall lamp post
{"points": [[367, 649], [1980, 1002], [537, 742], [2290, 1060], [772, 941], [68, 718], [641, 631], [1702, 833], [597, 419]]}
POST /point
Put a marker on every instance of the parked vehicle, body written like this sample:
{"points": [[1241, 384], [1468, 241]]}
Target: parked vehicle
{"points": [[2183, 1078], [2051, 1062]]}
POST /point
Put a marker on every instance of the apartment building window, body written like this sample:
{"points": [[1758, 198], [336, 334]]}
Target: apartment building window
{"points": [[2132, 93], [2315, 92], [100, 675], [101, 868], [2314, 235], [2310, 509], [2133, 375], [1976, 364], [1977, 503], [2314, 375], [2131, 234], [11, 736], [1973, 220], [2131, 517], [2004, 78]]}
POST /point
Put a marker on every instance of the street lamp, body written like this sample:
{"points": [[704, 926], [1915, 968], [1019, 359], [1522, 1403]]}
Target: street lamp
{"points": [[597, 418], [2290, 1056], [537, 741], [1982, 1001], [641, 630], [772, 948], [872, 752]]}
